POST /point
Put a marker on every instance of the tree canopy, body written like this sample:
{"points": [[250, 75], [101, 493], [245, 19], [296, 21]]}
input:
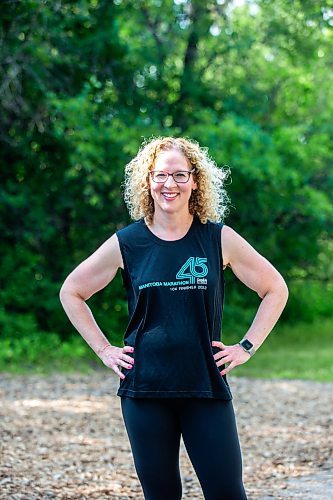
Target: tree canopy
{"points": [[82, 83]]}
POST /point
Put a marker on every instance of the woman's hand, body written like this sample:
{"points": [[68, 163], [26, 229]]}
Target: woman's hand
{"points": [[232, 354], [113, 356]]}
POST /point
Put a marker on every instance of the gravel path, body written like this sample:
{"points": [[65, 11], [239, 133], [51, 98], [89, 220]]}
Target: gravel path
{"points": [[63, 437]]}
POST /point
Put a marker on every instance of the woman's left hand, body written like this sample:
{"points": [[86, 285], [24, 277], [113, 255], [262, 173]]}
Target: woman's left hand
{"points": [[232, 354]]}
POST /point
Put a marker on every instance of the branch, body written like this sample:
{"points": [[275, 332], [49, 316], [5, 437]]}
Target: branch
{"points": [[191, 53]]}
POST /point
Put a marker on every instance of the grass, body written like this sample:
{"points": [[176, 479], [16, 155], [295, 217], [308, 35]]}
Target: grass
{"points": [[302, 351]]}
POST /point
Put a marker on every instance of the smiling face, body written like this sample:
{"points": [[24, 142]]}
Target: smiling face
{"points": [[170, 197]]}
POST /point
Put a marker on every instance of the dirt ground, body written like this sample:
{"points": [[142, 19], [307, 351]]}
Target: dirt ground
{"points": [[63, 437]]}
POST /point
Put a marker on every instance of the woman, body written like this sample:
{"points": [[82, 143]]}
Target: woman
{"points": [[173, 366]]}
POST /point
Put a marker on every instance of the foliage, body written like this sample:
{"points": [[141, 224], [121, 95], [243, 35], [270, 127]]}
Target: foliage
{"points": [[82, 83], [303, 351], [288, 352]]}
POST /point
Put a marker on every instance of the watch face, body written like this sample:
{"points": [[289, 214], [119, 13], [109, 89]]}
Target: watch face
{"points": [[247, 344]]}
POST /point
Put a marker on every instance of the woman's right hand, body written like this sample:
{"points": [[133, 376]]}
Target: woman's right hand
{"points": [[113, 356]]}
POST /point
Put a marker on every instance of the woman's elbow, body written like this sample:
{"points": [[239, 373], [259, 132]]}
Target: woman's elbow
{"points": [[281, 288], [63, 292], [66, 290]]}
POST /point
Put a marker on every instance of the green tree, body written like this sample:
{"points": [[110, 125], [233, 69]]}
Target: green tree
{"points": [[82, 83]]}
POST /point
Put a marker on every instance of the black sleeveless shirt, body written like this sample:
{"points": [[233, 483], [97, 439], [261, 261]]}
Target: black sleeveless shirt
{"points": [[175, 292]]}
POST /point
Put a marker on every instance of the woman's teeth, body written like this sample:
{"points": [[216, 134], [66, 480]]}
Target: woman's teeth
{"points": [[170, 196]]}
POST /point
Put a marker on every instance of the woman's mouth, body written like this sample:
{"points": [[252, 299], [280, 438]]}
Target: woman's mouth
{"points": [[170, 196]]}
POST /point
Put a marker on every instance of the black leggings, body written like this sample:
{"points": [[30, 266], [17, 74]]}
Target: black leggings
{"points": [[208, 427]]}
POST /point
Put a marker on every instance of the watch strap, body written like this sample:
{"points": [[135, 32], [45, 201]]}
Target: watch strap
{"points": [[251, 350]]}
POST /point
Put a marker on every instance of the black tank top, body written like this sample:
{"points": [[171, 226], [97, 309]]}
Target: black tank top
{"points": [[175, 292]]}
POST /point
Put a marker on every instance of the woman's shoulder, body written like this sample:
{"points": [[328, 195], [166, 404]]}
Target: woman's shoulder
{"points": [[234, 245], [212, 226], [230, 236], [130, 229]]}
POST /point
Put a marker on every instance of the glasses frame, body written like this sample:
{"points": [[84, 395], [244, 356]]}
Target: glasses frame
{"points": [[177, 182]]}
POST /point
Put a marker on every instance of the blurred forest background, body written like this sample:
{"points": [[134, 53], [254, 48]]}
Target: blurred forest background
{"points": [[82, 83]]}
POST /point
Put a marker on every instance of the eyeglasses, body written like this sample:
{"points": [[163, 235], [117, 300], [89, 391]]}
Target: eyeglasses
{"points": [[180, 177]]}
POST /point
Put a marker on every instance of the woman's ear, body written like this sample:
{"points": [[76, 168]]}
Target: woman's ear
{"points": [[195, 184]]}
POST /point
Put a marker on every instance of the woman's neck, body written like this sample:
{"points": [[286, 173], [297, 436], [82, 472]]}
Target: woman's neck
{"points": [[171, 224]]}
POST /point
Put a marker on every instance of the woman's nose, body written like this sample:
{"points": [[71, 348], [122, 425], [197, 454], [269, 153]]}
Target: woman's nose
{"points": [[170, 182]]}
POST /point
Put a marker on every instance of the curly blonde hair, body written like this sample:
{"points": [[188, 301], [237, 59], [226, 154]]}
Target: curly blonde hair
{"points": [[208, 202]]}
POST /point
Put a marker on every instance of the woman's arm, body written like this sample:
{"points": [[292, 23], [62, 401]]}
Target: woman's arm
{"points": [[260, 275], [87, 278]]}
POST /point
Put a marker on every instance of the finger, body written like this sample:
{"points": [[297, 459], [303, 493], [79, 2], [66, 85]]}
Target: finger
{"points": [[118, 372], [125, 364], [228, 368], [216, 343], [225, 353], [221, 355], [128, 348], [128, 359], [228, 359]]}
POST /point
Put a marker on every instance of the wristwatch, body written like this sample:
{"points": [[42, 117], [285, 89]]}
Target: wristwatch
{"points": [[247, 346]]}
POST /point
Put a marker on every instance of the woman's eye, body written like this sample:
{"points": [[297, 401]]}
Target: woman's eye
{"points": [[180, 176]]}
